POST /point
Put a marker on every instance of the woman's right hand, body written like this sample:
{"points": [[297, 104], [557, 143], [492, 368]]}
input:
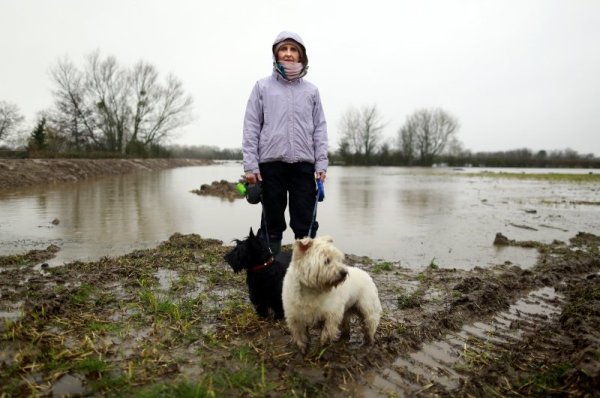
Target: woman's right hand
{"points": [[252, 178]]}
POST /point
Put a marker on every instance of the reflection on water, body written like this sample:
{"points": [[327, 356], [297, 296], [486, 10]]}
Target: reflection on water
{"points": [[414, 216]]}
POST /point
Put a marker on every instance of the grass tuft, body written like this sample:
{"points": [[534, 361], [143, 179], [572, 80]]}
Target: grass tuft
{"points": [[383, 267]]}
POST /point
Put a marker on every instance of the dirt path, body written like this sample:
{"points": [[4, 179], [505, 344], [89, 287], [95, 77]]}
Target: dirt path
{"points": [[16, 173], [175, 320]]}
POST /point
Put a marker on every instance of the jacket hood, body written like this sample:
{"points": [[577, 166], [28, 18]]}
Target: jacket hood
{"points": [[287, 35]]}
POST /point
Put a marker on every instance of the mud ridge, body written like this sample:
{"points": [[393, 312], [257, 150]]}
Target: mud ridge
{"points": [[16, 173]]}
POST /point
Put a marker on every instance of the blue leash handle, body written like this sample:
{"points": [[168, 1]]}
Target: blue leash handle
{"points": [[319, 198], [320, 190]]}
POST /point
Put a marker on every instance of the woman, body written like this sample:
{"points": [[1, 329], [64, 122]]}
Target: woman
{"points": [[285, 142]]}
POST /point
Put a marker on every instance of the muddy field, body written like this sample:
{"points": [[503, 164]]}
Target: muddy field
{"points": [[176, 321]]}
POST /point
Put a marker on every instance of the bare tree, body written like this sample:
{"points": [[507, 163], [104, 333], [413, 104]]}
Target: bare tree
{"points": [[108, 84], [361, 131], [74, 114], [406, 143], [454, 147], [350, 130], [162, 110], [118, 108], [144, 81], [10, 119], [371, 130], [426, 132]]}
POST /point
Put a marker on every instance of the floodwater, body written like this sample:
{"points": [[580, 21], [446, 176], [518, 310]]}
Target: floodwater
{"points": [[410, 215]]}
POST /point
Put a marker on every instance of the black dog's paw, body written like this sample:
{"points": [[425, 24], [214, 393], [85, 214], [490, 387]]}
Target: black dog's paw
{"points": [[262, 312]]}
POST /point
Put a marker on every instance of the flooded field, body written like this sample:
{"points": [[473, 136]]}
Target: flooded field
{"points": [[489, 286], [412, 216]]}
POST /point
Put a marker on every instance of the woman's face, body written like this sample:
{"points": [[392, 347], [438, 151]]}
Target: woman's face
{"points": [[288, 52]]}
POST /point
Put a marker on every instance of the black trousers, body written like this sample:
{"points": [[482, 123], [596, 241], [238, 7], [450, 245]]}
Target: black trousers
{"points": [[298, 180]]}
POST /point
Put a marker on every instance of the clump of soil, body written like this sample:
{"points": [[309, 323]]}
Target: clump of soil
{"points": [[222, 189], [175, 318], [501, 240], [33, 256]]}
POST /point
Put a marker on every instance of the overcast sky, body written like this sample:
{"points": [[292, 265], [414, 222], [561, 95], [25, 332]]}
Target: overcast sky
{"points": [[516, 73]]}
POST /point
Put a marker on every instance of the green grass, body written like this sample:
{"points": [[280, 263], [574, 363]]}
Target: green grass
{"points": [[301, 387], [383, 267], [433, 265], [15, 259], [247, 379], [52, 358], [166, 308], [183, 389], [92, 365], [117, 383], [406, 301], [558, 177], [244, 353], [102, 326], [82, 295], [184, 282], [549, 378]]}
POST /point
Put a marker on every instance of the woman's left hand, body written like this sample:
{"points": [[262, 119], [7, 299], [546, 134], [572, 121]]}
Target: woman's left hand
{"points": [[321, 175]]}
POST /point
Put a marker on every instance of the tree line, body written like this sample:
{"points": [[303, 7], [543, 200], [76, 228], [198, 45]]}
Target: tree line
{"points": [[567, 158], [421, 139], [428, 137]]}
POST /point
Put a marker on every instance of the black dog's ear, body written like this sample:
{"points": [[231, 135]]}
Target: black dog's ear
{"points": [[251, 235], [235, 257]]}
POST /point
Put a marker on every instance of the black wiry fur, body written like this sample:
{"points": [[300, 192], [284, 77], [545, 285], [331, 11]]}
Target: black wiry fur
{"points": [[264, 284]]}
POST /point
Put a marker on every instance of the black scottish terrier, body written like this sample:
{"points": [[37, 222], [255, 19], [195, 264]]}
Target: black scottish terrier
{"points": [[264, 273]]}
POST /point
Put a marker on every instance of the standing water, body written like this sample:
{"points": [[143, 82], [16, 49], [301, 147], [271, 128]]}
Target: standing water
{"points": [[410, 215]]}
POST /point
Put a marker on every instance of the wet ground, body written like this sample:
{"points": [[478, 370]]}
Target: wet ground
{"points": [[175, 321]]}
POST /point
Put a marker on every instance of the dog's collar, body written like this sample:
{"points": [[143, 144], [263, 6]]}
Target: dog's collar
{"points": [[263, 265]]}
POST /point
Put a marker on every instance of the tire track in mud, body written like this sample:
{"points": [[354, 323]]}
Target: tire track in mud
{"points": [[443, 365]]}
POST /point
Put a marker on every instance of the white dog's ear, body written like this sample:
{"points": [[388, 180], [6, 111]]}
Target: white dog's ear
{"points": [[303, 244], [327, 238]]}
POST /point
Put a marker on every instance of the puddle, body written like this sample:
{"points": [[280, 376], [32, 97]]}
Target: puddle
{"points": [[166, 277], [198, 289], [11, 315], [438, 362], [68, 385]]}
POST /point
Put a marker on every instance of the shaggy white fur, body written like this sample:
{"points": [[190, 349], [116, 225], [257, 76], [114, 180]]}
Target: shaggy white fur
{"points": [[319, 288]]}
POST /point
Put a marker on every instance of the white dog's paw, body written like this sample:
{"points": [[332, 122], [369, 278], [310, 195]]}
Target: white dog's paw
{"points": [[300, 339], [302, 346], [329, 335]]}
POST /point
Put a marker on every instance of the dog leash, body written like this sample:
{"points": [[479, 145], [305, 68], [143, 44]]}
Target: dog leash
{"points": [[263, 220], [319, 198]]}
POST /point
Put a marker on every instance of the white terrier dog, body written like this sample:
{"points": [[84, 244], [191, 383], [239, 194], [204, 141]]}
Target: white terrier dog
{"points": [[319, 288]]}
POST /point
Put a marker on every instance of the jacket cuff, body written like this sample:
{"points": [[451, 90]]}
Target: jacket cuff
{"points": [[253, 171], [321, 166]]}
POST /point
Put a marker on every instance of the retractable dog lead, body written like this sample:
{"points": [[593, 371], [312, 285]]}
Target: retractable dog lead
{"points": [[319, 198]]}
